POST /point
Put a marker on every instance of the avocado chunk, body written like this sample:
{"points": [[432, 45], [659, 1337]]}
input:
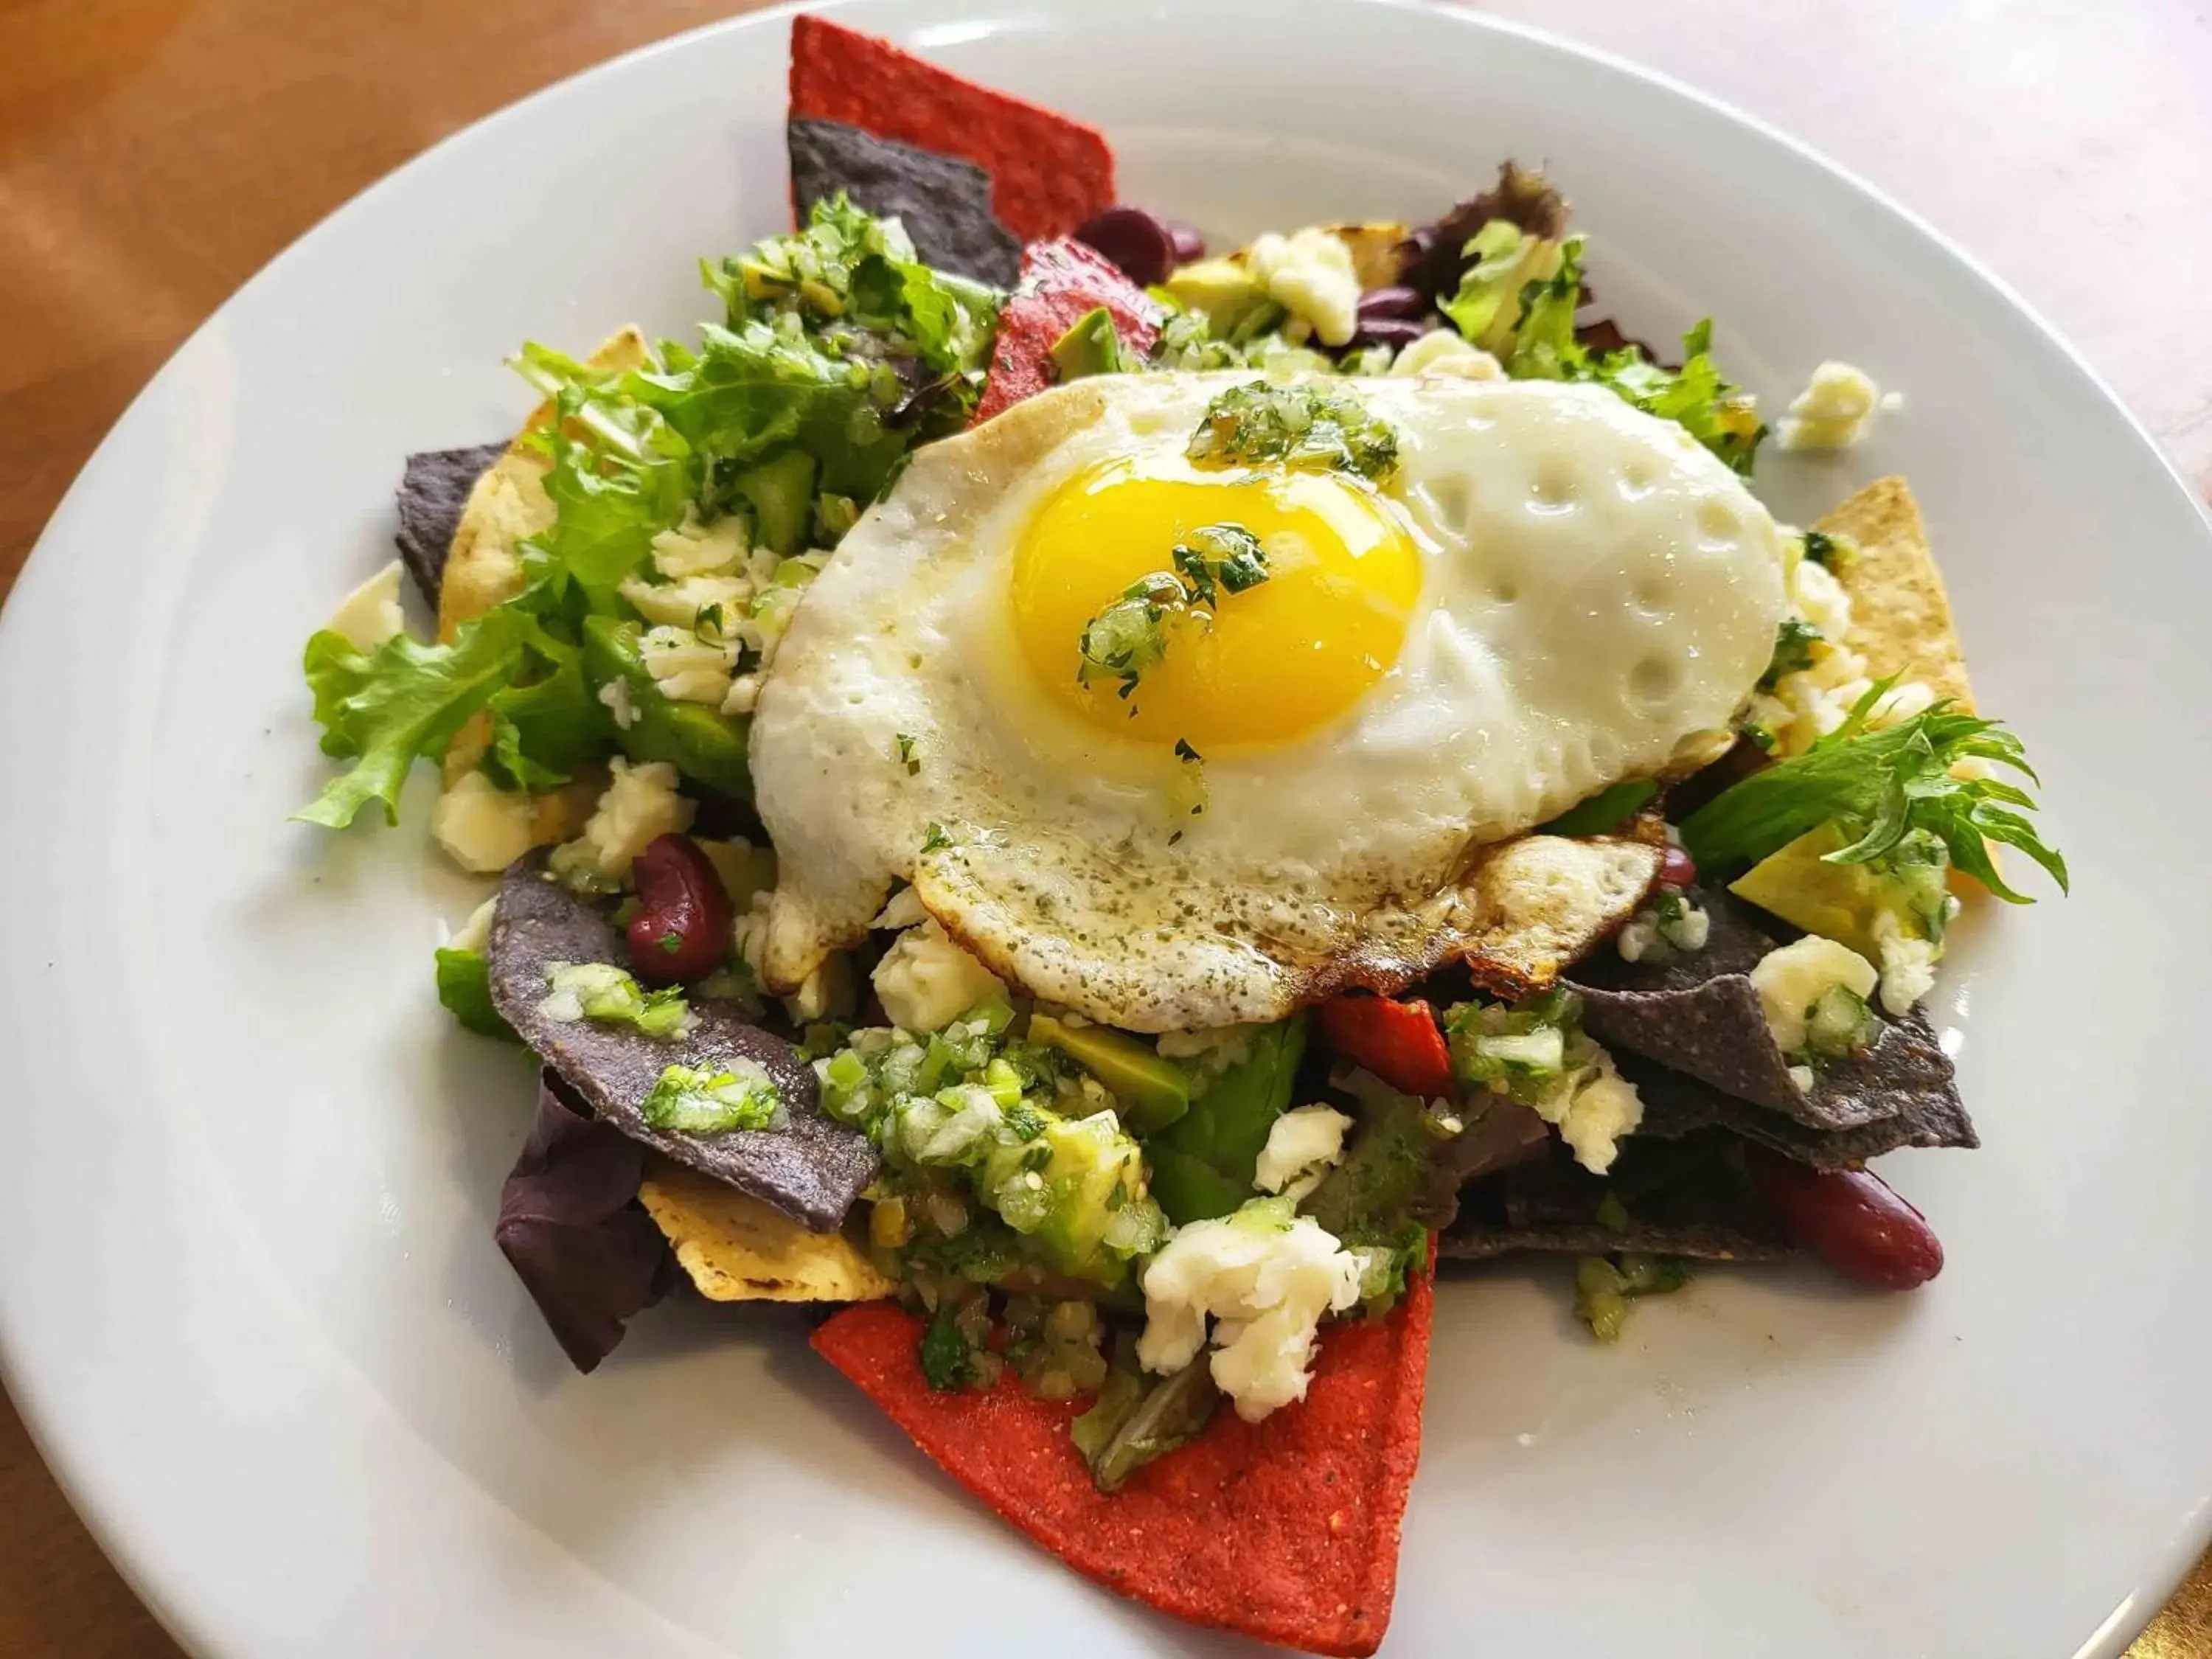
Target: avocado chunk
{"points": [[1841, 901], [1153, 1093], [1190, 1189], [781, 492], [698, 741], [1090, 347], [1076, 1190], [1223, 289]]}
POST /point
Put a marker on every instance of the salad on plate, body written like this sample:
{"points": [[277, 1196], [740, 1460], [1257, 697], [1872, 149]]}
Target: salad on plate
{"points": [[1097, 810]]}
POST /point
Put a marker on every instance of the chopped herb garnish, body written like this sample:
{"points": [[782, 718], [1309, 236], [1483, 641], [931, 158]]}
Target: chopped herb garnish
{"points": [[1224, 554], [1299, 426], [1130, 636], [1877, 785], [1793, 649], [912, 761], [671, 942], [1833, 552], [600, 990], [709, 625], [693, 1100], [1184, 752], [934, 837]]}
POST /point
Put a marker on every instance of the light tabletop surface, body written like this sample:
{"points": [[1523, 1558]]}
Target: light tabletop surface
{"points": [[155, 153]]}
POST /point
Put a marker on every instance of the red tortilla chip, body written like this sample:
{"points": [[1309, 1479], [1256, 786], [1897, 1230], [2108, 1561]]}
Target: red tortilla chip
{"points": [[1284, 1530], [1062, 282], [1049, 174]]}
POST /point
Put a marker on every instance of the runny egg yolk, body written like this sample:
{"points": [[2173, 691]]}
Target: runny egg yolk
{"points": [[1260, 667]]}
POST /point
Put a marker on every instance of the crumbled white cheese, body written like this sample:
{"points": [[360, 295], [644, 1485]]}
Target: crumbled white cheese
{"points": [[1833, 412], [615, 694], [482, 827], [1792, 978], [1821, 599], [639, 806], [1802, 1078], [1447, 352], [743, 696], [826, 994], [1302, 1143], [686, 668], [926, 981], [1651, 934], [1908, 964], [476, 933], [370, 614], [696, 550], [1592, 1109], [677, 604], [903, 909], [1310, 274], [1268, 1277]]}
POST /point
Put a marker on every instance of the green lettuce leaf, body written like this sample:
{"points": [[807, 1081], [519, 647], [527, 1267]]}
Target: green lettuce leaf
{"points": [[383, 709], [464, 989], [1543, 347], [542, 731]]}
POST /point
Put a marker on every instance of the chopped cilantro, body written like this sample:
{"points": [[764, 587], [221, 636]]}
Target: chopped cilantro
{"points": [[934, 837], [1184, 752], [1793, 649], [693, 1100], [912, 761], [1297, 425]]}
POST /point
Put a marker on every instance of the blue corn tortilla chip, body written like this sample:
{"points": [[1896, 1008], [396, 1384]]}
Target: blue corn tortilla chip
{"points": [[571, 1226], [1675, 1105], [944, 202], [1691, 1197], [1697, 1013], [433, 491], [811, 1170]]}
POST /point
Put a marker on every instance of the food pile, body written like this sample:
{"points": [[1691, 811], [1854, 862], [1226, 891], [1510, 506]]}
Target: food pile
{"points": [[1098, 809]]}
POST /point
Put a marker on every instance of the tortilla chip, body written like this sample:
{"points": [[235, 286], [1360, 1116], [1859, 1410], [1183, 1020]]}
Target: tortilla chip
{"points": [[1689, 1198], [1900, 616], [1284, 1530], [944, 202], [570, 1227], [736, 1248], [482, 567], [433, 493], [1061, 281], [812, 1170], [1675, 1105], [1048, 173], [1697, 1013]]}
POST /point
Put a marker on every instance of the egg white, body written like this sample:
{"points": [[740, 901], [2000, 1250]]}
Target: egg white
{"points": [[1597, 592]]}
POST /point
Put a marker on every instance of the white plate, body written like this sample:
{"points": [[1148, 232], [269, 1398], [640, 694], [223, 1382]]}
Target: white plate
{"points": [[250, 1301]]}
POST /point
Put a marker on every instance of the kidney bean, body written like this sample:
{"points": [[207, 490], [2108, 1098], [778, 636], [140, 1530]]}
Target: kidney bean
{"points": [[1402, 302], [681, 928], [1850, 1219], [1396, 332], [1188, 243], [1678, 869], [1140, 243]]}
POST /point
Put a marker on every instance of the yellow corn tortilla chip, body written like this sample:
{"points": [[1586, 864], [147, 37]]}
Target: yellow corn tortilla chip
{"points": [[738, 1250], [509, 503], [1901, 618], [484, 568]]}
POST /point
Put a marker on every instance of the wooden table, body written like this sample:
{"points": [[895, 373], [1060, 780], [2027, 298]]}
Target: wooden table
{"points": [[155, 153]]}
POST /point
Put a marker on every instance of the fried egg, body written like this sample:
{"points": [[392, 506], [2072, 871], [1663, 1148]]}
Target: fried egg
{"points": [[1549, 593]]}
